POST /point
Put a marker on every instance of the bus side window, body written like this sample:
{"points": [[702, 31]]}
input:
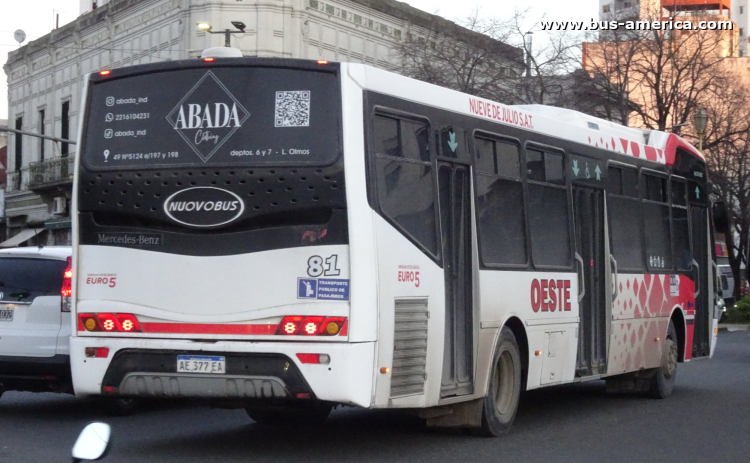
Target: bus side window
{"points": [[656, 222], [548, 209], [680, 225], [500, 203], [404, 178], [624, 211]]}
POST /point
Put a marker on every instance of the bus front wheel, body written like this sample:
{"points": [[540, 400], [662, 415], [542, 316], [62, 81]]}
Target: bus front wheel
{"points": [[501, 403], [662, 383]]}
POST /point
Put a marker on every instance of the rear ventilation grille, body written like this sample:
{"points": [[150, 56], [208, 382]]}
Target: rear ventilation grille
{"points": [[409, 347]]}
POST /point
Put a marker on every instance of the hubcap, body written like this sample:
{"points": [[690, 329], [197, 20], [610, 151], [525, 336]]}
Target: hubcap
{"points": [[669, 364], [504, 382]]}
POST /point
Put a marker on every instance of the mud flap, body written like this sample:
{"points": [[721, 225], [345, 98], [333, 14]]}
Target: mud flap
{"points": [[460, 415], [639, 381]]}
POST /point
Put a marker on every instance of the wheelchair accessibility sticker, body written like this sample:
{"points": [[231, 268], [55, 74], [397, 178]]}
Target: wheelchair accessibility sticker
{"points": [[323, 288]]}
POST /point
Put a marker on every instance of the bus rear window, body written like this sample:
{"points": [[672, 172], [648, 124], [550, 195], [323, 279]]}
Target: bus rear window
{"points": [[218, 116]]}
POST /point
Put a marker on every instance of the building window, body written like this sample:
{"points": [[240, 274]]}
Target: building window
{"points": [[40, 130], [742, 31], [742, 10], [18, 138], [605, 9], [65, 128]]}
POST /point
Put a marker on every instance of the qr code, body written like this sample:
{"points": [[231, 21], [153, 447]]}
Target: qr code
{"points": [[293, 109]]}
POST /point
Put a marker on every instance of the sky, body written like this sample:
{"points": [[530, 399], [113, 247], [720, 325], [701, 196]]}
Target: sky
{"points": [[37, 18]]}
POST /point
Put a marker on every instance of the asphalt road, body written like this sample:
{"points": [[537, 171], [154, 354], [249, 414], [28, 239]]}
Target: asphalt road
{"points": [[707, 419]]}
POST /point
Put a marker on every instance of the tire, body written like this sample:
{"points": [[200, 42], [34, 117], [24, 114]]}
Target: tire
{"points": [[662, 383], [289, 416], [501, 403]]}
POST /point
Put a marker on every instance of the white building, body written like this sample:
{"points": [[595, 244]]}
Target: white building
{"points": [[741, 17], [44, 76], [627, 9]]}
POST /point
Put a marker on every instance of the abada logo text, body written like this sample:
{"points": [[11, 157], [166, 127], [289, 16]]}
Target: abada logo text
{"points": [[203, 118], [207, 116]]}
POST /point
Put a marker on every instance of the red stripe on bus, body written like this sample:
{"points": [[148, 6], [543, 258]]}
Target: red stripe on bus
{"points": [[204, 328]]}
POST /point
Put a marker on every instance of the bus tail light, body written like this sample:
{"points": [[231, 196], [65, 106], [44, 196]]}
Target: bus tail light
{"points": [[67, 287], [332, 326], [128, 322], [311, 326], [108, 322], [290, 325]]}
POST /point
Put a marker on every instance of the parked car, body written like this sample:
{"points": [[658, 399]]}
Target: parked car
{"points": [[34, 319], [35, 290], [727, 284]]}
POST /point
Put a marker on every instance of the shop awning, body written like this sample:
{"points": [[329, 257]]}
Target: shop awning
{"points": [[22, 237], [57, 223]]}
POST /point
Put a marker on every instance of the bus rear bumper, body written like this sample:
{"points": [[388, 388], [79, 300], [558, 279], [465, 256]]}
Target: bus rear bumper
{"points": [[254, 370]]}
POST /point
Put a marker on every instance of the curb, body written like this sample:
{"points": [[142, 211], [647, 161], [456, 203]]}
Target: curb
{"points": [[733, 328]]}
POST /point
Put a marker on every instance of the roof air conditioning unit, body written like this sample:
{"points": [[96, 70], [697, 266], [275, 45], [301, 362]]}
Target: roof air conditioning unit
{"points": [[59, 206]]}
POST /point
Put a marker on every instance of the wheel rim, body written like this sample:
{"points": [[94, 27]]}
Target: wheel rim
{"points": [[670, 360], [504, 381]]}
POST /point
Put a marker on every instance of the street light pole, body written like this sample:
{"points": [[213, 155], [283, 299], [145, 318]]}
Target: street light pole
{"points": [[205, 27], [700, 123]]}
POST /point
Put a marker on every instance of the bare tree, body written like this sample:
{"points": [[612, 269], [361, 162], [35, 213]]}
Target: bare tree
{"points": [[487, 57], [472, 56], [727, 150], [662, 76]]}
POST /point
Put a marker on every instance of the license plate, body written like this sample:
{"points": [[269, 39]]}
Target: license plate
{"points": [[6, 315], [201, 364]]}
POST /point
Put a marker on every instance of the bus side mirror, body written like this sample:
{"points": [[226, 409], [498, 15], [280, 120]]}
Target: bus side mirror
{"points": [[721, 217]]}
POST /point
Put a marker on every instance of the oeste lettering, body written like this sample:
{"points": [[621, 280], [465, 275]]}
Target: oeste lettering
{"points": [[550, 295]]}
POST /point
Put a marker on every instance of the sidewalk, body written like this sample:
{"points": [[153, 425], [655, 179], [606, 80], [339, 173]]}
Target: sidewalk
{"points": [[733, 327]]}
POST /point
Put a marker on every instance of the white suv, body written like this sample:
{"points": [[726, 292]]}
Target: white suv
{"points": [[35, 319]]}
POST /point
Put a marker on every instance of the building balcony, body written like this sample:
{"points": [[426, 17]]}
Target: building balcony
{"points": [[51, 173], [42, 176], [698, 5]]}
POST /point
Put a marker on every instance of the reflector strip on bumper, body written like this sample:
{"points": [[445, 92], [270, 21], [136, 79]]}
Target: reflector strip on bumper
{"points": [[205, 328]]}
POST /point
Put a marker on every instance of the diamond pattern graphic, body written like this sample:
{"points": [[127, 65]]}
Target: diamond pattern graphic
{"points": [[207, 116]]}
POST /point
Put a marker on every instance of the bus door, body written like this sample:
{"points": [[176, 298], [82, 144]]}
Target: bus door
{"points": [[455, 224], [701, 252], [588, 207]]}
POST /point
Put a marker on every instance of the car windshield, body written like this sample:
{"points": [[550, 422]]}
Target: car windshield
{"points": [[18, 274]]}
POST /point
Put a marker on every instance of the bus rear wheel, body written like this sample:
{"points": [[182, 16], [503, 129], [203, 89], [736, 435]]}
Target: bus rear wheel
{"points": [[289, 416], [501, 403], [662, 383]]}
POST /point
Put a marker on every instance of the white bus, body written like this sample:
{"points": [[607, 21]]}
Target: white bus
{"points": [[289, 235]]}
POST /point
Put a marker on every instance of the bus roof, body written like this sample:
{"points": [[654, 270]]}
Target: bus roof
{"points": [[651, 145]]}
